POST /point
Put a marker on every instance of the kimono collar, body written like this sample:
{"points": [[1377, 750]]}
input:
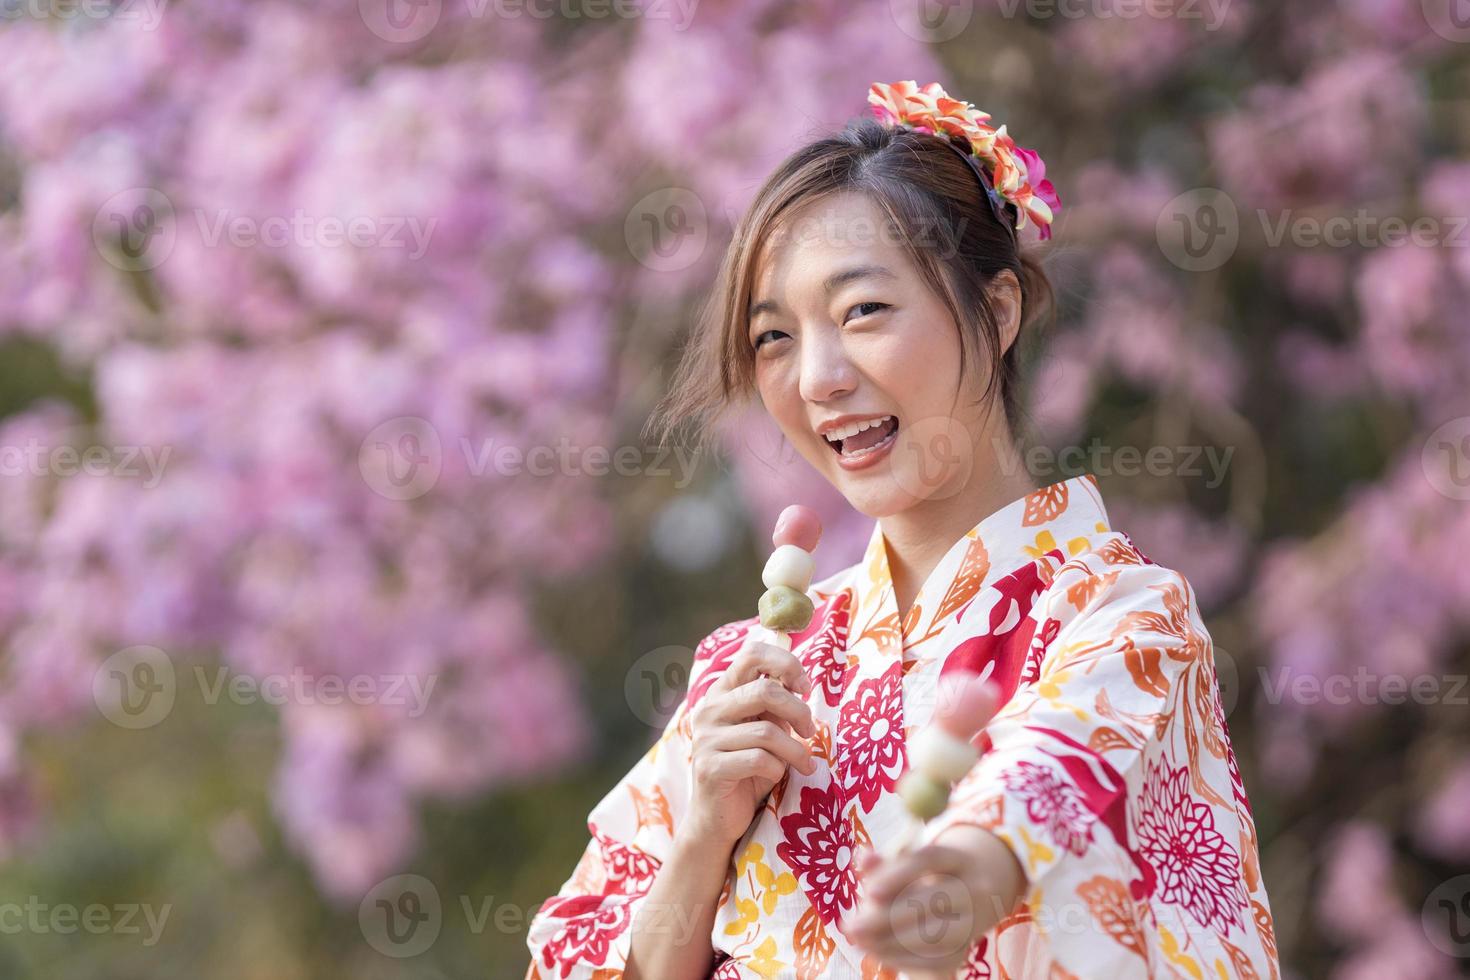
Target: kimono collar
{"points": [[1062, 518]]}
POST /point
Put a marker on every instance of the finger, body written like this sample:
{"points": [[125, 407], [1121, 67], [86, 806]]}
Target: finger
{"points": [[745, 764], [929, 928], [903, 869], [758, 658], [765, 735], [762, 695]]}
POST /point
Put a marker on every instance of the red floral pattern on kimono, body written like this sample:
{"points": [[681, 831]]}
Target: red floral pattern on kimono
{"points": [[1108, 771]]}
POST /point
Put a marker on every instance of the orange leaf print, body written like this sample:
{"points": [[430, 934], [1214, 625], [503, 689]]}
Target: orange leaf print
{"points": [[884, 634], [813, 946], [1251, 862], [911, 619], [1242, 962], [821, 743], [1117, 552], [1107, 739], [1087, 589], [1111, 905], [1045, 505], [859, 832], [652, 810], [972, 571], [773, 802], [991, 812], [1267, 932], [1143, 664]]}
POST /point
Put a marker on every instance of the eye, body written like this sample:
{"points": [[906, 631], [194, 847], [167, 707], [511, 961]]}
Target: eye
{"points": [[761, 339], [859, 306]]}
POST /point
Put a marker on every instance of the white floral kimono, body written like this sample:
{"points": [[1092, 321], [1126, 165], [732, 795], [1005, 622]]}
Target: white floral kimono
{"points": [[1108, 771]]}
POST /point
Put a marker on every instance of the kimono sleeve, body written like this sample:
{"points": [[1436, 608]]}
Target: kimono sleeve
{"points": [[1110, 776], [583, 931]]}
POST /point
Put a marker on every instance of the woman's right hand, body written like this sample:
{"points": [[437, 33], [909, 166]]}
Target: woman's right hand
{"points": [[744, 732]]}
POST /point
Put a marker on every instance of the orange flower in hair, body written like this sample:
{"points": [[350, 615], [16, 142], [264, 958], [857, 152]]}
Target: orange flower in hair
{"points": [[1012, 174]]}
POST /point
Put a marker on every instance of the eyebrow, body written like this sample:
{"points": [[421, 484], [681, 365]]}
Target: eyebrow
{"points": [[829, 285]]}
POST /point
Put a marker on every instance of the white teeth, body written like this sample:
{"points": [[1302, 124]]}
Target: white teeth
{"points": [[848, 431]]}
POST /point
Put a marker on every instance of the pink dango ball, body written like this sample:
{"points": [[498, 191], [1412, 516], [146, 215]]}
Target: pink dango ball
{"points": [[966, 704], [798, 525]]}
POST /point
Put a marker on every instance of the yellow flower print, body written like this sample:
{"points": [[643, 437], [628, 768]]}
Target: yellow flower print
{"points": [[750, 855], [1175, 955], [1045, 541], [763, 960], [774, 885], [749, 912]]}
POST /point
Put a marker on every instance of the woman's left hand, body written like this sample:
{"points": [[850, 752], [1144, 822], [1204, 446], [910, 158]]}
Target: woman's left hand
{"points": [[925, 908]]}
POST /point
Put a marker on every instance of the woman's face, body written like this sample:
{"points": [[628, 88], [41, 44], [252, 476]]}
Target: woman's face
{"points": [[846, 333]]}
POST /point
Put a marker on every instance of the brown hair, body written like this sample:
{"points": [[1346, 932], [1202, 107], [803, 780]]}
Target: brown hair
{"points": [[940, 213]]}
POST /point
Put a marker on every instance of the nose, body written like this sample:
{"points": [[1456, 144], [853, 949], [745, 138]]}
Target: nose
{"points": [[826, 371]]}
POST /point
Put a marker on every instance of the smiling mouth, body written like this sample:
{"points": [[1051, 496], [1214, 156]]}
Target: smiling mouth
{"points": [[868, 438]]}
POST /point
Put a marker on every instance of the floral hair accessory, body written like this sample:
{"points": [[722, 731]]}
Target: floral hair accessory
{"points": [[1011, 174]]}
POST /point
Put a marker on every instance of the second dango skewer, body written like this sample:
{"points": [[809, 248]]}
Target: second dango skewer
{"points": [[941, 753]]}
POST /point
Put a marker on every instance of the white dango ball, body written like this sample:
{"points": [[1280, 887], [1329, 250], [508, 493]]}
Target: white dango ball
{"points": [[789, 566], [941, 756]]}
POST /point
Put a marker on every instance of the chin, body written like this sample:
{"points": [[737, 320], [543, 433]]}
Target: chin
{"points": [[876, 496]]}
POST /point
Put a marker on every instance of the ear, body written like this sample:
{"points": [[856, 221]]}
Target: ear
{"points": [[1005, 298]]}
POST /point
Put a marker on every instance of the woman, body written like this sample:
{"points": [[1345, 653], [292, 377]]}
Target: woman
{"points": [[872, 298]]}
